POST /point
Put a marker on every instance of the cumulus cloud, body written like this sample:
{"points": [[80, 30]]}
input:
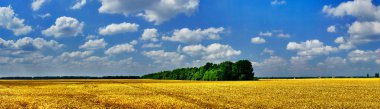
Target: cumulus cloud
{"points": [[150, 34], [346, 46], [364, 56], [361, 9], [94, 44], [64, 27], [79, 4], [213, 52], [117, 49], [121, 48], [157, 11], [258, 40], [185, 35], [29, 44], [118, 28], [339, 40], [364, 32], [367, 27], [9, 20], [343, 43], [331, 29], [36, 4], [311, 48]]}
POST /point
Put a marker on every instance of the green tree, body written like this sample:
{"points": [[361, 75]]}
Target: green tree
{"points": [[242, 70]]}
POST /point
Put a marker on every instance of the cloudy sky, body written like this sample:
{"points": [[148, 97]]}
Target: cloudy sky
{"points": [[136, 37]]}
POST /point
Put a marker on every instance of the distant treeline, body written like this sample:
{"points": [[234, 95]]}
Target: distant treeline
{"points": [[314, 77], [240, 70], [74, 77]]}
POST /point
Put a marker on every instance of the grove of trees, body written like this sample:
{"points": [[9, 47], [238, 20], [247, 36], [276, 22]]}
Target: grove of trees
{"points": [[240, 70]]}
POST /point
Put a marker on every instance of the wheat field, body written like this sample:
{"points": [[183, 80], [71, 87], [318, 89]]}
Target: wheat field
{"points": [[266, 93]]}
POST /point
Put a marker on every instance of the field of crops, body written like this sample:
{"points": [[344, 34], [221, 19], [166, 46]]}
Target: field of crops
{"points": [[271, 93]]}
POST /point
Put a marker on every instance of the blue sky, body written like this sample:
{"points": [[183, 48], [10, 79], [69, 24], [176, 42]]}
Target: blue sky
{"points": [[136, 37]]}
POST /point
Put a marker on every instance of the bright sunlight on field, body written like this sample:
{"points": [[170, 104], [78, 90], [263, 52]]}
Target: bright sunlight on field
{"points": [[270, 93]]}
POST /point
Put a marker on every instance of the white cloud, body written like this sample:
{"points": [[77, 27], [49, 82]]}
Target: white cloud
{"points": [[268, 51], [64, 27], [213, 52], [44, 15], [194, 49], [94, 44], [161, 56], [364, 56], [366, 28], [361, 9], [278, 2], [257, 40], [343, 43], [151, 45], [157, 11], [346, 46], [134, 42], [9, 20], [339, 40], [36, 4], [150, 34], [29, 44], [121, 48], [331, 29], [117, 49], [364, 32], [118, 28], [186, 35], [75, 55], [79, 4], [311, 48]]}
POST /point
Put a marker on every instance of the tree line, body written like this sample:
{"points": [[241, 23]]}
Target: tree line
{"points": [[240, 70]]}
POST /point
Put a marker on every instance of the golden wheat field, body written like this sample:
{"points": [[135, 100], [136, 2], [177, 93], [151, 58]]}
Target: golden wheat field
{"points": [[269, 93]]}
